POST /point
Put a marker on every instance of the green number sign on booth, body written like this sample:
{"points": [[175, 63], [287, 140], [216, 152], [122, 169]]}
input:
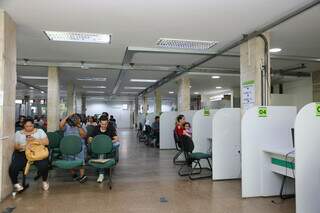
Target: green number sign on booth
{"points": [[317, 109], [263, 112]]}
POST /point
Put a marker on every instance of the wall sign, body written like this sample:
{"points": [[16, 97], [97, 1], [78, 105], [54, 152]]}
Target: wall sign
{"points": [[248, 94], [206, 111], [262, 112], [317, 109]]}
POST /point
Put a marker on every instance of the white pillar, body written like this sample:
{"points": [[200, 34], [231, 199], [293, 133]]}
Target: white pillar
{"points": [[252, 57], [8, 79], [71, 98], [136, 112], [157, 102], [53, 100], [184, 94], [83, 104]]}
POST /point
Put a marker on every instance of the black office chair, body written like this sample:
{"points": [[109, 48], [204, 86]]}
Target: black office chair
{"points": [[193, 158], [178, 148]]}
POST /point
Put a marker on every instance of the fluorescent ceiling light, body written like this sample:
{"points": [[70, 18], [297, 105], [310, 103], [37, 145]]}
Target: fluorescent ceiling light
{"points": [[33, 77], [144, 80], [134, 87], [218, 87], [171, 92], [31, 87], [196, 93], [91, 92], [97, 98], [215, 77], [128, 92], [217, 98], [18, 101], [185, 44], [93, 87], [79, 37], [275, 50], [91, 79], [42, 92]]}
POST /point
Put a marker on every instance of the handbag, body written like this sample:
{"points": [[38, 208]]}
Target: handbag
{"points": [[35, 153]]}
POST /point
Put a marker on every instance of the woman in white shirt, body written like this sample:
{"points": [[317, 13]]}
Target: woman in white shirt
{"points": [[28, 135]]}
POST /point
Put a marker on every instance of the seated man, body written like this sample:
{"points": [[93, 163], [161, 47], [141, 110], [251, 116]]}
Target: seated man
{"points": [[104, 128]]}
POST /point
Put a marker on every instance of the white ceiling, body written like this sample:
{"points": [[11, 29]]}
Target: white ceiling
{"points": [[142, 23]]}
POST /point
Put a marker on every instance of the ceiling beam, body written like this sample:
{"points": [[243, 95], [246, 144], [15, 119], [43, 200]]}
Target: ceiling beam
{"points": [[245, 38]]}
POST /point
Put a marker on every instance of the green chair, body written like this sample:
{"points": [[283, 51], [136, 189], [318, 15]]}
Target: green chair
{"points": [[102, 146], [90, 130], [70, 146], [54, 146]]}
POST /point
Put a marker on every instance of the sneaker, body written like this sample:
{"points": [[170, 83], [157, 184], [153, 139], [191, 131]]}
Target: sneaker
{"points": [[83, 179], [17, 187], [75, 177], [100, 178], [45, 185]]}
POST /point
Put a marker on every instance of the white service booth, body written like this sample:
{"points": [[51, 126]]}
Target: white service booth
{"points": [[267, 150], [226, 144]]}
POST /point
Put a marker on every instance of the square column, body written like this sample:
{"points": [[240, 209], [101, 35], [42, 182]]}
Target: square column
{"points": [[184, 94], [252, 60], [8, 82], [53, 100], [71, 98], [157, 102]]}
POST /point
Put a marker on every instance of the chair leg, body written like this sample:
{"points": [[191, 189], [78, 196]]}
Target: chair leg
{"points": [[175, 159], [209, 169], [109, 177]]}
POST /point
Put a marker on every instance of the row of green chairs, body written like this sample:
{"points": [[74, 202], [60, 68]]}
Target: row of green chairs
{"points": [[72, 145]]}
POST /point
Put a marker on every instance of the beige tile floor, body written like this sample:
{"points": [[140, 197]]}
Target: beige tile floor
{"points": [[141, 178]]}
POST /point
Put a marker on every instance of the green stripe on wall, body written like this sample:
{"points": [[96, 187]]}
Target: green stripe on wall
{"points": [[283, 163]]}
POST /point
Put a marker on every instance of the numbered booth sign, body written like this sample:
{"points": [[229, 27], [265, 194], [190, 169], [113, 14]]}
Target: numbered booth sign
{"points": [[317, 109], [263, 112]]}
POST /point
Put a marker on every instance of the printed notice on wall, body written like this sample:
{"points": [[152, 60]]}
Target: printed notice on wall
{"points": [[1, 98], [248, 94]]}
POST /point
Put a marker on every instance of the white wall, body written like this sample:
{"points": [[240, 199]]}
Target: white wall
{"points": [[113, 108], [301, 90]]}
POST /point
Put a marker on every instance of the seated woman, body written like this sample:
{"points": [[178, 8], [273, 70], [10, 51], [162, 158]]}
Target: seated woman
{"points": [[71, 125], [180, 129], [104, 128], [28, 135], [184, 136]]}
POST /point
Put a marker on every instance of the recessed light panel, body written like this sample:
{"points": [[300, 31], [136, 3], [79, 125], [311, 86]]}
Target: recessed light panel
{"points": [[275, 50], [215, 77], [79, 37], [92, 79], [171, 92], [185, 44], [134, 87], [93, 87], [144, 80], [95, 92], [218, 87], [33, 77]]}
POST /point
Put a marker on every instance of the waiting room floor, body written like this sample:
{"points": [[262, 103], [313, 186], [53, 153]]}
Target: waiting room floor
{"points": [[144, 177]]}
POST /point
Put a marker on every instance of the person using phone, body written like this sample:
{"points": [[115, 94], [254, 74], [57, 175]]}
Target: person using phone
{"points": [[23, 138], [71, 125]]}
